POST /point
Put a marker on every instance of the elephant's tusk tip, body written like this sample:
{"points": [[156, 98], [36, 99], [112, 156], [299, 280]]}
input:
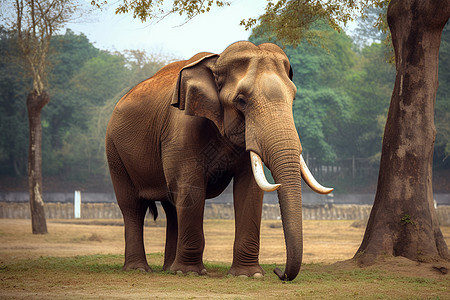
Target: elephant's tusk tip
{"points": [[311, 181], [325, 190], [258, 173], [273, 187]]}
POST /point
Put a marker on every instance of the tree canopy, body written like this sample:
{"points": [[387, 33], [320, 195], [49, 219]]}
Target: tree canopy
{"points": [[147, 10], [288, 21]]}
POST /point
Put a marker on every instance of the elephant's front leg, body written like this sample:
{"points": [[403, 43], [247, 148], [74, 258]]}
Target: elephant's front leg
{"points": [[248, 198], [190, 200]]}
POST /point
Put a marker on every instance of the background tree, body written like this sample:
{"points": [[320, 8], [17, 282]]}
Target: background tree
{"points": [[157, 9], [403, 220], [35, 22], [372, 27], [442, 112], [13, 127], [369, 87]]}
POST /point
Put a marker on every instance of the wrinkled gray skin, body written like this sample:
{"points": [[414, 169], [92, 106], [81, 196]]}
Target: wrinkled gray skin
{"points": [[182, 135]]}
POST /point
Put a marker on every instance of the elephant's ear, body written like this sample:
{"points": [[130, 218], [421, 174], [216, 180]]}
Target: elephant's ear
{"points": [[196, 92]]}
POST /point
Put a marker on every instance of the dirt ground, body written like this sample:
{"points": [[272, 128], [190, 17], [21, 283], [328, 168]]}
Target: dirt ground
{"points": [[82, 259], [324, 241]]}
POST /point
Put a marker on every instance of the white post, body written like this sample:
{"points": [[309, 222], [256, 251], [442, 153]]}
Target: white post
{"points": [[77, 205]]}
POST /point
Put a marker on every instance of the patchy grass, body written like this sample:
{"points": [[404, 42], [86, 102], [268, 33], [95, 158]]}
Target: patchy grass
{"points": [[101, 276], [84, 261]]}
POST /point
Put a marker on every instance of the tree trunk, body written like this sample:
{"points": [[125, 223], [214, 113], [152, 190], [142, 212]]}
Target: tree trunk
{"points": [[403, 220], [35, 103]]}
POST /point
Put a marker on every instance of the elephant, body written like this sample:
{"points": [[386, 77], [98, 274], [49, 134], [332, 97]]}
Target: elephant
{"points": [[182, 135]]}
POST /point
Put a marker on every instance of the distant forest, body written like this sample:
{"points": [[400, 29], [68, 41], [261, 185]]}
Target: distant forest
{"points": [[344, 88]]}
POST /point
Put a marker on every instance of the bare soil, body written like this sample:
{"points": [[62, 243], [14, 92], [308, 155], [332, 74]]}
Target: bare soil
{"points": [[328, 246], [324, 241]]}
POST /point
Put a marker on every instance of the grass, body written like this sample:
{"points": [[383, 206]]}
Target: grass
{"points": [[101, 276], [84, 261]]}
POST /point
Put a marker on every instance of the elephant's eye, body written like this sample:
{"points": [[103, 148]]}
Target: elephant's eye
{"points": [[241, 102]]}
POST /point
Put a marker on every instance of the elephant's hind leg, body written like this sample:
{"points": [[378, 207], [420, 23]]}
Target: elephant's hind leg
{"points": [[134, 215], [171, 234], [133, 210]]}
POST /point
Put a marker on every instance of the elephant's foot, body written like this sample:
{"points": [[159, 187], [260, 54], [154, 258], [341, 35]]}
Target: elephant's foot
{"points": [[166, 267], [141, 266], [256, 275], [179, 268], [247, 271]]}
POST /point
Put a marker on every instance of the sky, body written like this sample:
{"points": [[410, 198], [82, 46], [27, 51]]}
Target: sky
{"points": [[211, 32]]}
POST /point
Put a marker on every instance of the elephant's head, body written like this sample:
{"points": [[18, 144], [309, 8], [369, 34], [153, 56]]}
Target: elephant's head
{"points": [[247, 91]]}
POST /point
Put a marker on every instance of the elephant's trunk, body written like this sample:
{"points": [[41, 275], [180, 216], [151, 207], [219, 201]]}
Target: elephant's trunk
{"points": [[280, 150], [286, 171]]}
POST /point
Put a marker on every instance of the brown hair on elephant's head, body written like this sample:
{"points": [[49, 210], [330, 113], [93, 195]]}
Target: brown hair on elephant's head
{"points": [[247, 91]]}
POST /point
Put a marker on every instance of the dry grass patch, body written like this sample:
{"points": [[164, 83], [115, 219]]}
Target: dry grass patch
{"points": [[84, 261]]}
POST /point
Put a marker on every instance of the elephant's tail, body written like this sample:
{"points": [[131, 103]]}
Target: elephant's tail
{"points": [[153, 210]]}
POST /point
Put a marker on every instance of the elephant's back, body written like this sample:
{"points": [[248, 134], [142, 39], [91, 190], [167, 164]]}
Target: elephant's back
{"points": [[136, 126], [152, 90], [147, 104]]}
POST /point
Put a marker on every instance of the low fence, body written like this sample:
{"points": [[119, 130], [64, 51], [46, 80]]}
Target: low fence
{"points": [[212, 211]]}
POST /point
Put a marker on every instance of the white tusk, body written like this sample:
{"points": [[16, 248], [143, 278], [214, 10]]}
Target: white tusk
{"points": [[310, 180], [258, 173]]}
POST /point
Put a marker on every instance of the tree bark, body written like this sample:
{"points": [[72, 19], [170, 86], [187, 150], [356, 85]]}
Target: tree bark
{"points": [[403, 220], [35, 103]]}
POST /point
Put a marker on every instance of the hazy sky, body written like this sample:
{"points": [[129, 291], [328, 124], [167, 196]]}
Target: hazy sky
{"points": [[211, 32]]}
